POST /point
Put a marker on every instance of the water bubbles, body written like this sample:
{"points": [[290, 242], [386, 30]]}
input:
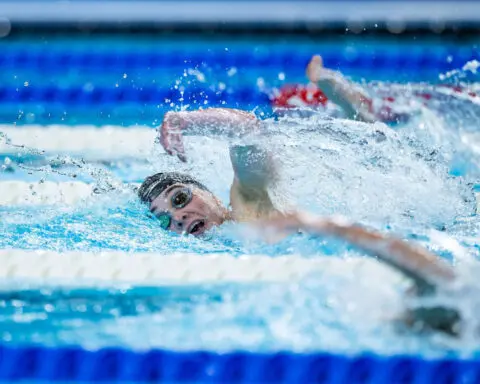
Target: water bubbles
{"points": [[471, 66], [49, 308], [88, 87], [7, 336], [232, 71], [30, 117], [125, 76], [199, 75], [26, 84]]}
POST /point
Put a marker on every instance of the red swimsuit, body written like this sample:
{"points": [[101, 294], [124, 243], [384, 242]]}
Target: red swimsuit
{"points": [[301, 95]]}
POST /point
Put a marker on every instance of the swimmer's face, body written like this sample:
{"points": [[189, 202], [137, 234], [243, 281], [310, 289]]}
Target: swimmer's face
{"points": [[183, 208]]}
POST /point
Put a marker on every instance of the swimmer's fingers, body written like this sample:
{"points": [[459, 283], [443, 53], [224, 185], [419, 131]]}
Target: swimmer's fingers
{"points": [[176, 144], [176, 151], [172, 142], [165, 141], [163, 138]]}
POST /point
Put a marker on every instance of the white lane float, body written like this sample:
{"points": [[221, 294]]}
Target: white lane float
{"points": [[106, 142], [151, 269], [45, 193]]}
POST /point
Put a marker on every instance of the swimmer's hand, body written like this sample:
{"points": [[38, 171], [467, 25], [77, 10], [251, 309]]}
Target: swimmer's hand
{"points": [[171, 135]]}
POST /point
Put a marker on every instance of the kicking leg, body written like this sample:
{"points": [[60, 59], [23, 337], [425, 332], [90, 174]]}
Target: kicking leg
{"points": [[347, 95]]}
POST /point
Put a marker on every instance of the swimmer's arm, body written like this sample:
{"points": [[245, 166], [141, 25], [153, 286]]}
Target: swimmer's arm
{"points": [[425, 269], [214, 121], [254, 170]]}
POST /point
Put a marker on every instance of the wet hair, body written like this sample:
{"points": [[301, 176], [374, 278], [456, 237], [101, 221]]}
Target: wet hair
{"points": [[154, 185]]}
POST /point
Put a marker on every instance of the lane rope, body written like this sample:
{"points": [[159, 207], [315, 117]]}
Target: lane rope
{"points": [[106, 142], [152, 269], [46, 192]]}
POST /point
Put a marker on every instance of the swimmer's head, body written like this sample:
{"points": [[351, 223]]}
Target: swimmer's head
{"points": [[181, 203]]}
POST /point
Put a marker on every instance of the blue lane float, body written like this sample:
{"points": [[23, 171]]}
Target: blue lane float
{"points": [[440, 59], [116, 364], [140, 95]]}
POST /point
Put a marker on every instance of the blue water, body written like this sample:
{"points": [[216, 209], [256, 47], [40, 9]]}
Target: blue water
{"points": [[416, 180]]}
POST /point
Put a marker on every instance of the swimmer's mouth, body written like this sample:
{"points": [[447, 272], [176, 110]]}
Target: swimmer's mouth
{"points": [[197, 227]]}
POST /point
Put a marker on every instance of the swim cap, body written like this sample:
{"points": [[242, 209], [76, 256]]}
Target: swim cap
{"points": [[154, 185]]}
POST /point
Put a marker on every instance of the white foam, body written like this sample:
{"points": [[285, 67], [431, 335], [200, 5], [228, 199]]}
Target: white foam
{"points": [[105, 142], [150, 269], [46, 193]]}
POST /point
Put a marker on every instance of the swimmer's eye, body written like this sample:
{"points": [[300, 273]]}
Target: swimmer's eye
{"points": [[181, 198]]}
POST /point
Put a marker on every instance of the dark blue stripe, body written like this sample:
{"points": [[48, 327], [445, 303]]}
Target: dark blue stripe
{"points": [[104, 61], [115, 364], [140, 95]]}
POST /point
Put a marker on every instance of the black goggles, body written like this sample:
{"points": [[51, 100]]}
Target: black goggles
{"points": [[180, 199]]}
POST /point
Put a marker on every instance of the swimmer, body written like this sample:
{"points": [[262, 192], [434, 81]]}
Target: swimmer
{"points": [[329, 85], [183, 205]]}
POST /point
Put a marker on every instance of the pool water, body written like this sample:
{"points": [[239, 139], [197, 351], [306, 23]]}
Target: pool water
{"points": [[415, 179]]}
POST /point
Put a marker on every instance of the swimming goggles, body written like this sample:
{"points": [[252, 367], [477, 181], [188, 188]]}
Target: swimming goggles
{"points": [[180, 199]]}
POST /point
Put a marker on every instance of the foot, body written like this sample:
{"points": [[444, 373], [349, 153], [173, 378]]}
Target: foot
{"points": [[315, 69], [316, 72]]}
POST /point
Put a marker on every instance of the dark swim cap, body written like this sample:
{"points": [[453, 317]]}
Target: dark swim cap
{"points": [[154, 185]]}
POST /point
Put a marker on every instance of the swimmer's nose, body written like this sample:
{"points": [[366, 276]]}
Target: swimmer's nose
{"points": [[180, 221]]}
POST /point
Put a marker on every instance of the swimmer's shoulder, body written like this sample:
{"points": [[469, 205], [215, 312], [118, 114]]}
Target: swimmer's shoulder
{"points": [[248, 204]]}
